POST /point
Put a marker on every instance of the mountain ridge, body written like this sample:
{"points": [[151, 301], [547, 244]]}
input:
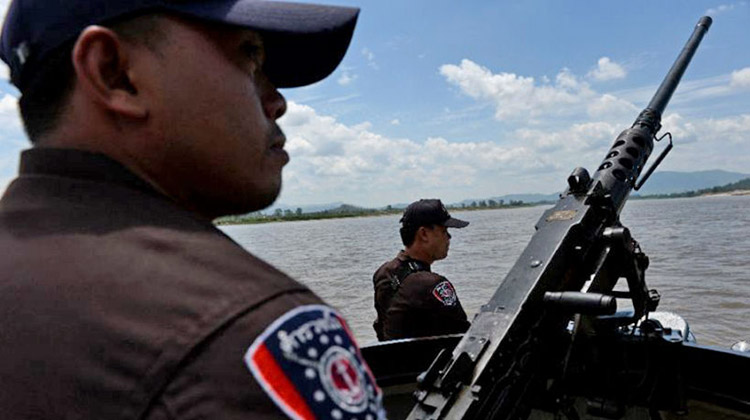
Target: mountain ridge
{"points": [[661, 182]]}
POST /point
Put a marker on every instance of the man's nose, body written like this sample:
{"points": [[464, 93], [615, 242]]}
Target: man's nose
{"points": [[274, 104]]}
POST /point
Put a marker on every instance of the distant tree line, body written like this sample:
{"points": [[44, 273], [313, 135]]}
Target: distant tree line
{"points": [[491, 204], [279, 215], [347, 210], [743, 184]]}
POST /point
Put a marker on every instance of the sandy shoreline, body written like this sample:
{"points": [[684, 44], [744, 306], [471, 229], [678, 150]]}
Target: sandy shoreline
{"points": [[728, 193]]}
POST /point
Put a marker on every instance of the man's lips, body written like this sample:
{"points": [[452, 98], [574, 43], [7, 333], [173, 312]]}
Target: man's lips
{"points": [[277, 148], [278, 142]]}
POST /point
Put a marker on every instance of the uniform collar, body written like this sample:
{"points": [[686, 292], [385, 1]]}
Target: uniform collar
{"points": [[79, 164], [402, 256]]}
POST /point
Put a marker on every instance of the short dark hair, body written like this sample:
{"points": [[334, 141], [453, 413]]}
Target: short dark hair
{"points": [[47, 93], [408, 233]]}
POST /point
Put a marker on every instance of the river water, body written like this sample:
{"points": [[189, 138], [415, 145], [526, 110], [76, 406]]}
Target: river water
{"points": [[699, 250]]}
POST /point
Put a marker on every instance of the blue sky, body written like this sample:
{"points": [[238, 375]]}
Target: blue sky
{"points": [[473, 99]]}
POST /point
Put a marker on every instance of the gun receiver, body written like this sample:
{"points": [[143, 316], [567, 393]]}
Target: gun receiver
{"points": [[518, 343]]}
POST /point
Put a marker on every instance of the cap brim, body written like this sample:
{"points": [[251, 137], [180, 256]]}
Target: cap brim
{"points": [[455, 223], [304, 42]]}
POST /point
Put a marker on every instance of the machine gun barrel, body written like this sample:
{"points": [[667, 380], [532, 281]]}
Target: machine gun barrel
{"points": [[664, 93], [617, 174], [516, 338]]}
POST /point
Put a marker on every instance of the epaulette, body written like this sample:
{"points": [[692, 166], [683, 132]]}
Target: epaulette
{"points": [[405, 270]]}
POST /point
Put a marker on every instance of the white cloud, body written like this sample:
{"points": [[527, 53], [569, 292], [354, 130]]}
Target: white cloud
{"points": [[395, 121], [724, 8], [332, 161], [353, 163], [7, 104], [565, 149], [346, 78], [576, 139], [710, 143], [342, 98], [12, 139], [612, 108], [4, 9], [370, 57], [9, 117], [740, 78], [700, 144], [607, 69], [516, 96], [520, 98], [726, 133], [4, 72], [695, 90]]}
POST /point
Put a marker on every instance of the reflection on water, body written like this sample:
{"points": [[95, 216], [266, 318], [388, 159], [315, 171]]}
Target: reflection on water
{"points": [[699, 250]]}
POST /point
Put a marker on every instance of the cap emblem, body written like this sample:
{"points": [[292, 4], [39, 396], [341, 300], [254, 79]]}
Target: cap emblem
{"points": [[22, 52]]}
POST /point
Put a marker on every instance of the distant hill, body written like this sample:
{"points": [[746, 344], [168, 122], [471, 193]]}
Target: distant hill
{"points": [[662, 182], [346, 208], [312, 208], [741, 187], [526, 198], [668, 182]]}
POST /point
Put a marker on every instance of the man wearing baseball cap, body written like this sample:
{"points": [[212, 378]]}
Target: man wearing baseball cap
{"points": [[119, 299], [411, 300]]}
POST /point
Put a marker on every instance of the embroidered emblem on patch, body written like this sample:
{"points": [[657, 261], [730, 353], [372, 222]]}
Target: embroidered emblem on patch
{"points": [[310, 366], [445, 293]]}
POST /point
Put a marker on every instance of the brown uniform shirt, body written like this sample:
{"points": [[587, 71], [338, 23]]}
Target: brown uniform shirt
{"points": [[115, 303], [412, 301]]}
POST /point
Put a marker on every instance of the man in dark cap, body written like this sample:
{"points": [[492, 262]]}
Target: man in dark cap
{"points": [[411, 300], [119, 299]]}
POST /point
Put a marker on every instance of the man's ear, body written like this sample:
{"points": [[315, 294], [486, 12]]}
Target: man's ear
{"points": [[422, 233], [102, 63]]}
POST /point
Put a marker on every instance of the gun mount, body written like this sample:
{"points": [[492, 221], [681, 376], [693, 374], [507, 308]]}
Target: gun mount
{"points": [[560, 289]]}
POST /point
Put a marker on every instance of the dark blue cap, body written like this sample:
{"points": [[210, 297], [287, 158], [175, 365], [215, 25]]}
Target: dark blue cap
{"points": [[304, 42], [428, 212]]}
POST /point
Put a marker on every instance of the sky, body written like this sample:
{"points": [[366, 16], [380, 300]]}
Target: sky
{"points": [[478, 98]]}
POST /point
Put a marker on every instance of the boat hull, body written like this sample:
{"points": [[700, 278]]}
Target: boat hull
{"points": [[639, 376]]}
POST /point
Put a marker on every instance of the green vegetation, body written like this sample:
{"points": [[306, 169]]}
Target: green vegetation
{"points": [[287, 215], [743, 184], [347, 210]]}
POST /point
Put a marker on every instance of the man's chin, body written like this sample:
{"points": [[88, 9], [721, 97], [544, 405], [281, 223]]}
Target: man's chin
{"points": [[242, 204], [263, 200]]}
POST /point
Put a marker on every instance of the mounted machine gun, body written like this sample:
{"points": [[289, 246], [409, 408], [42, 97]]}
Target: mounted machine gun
{"points": [[560, 288]]}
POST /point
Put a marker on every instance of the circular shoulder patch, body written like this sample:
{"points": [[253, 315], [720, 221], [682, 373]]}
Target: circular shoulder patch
{"points": [[309, 364], [445, 293]]}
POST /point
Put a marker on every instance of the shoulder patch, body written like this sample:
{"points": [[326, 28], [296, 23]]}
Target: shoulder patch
{"points": [[445, 293], [309, 364]]}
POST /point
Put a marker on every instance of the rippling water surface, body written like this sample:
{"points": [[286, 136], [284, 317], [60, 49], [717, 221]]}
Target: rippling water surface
{"points": [[699, 250]]}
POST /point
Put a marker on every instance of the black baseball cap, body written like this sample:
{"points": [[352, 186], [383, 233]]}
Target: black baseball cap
{"points": [[304, 42], [427, 212]]}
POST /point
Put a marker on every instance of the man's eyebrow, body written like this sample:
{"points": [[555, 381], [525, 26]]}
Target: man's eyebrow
{"points": [[253, 43]]}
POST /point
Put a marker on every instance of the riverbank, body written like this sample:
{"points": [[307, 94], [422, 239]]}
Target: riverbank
{"points": [[348, 211], [734, 193], [740, 188]]}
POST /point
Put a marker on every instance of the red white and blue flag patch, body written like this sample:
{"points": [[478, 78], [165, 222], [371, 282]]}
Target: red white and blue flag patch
{"points": [[309, 364], [445, 293]]}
